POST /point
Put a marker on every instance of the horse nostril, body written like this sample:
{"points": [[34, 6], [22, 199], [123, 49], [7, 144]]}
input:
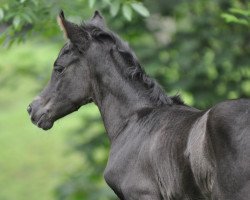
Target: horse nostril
{"points": [[33, 119], [29, 109]]}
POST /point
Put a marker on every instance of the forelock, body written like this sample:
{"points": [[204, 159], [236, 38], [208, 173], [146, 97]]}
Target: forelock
{"points": [[66, 48]]}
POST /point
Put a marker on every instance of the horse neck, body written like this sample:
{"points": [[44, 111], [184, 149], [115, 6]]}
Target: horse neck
{"points": [[118, 99]]}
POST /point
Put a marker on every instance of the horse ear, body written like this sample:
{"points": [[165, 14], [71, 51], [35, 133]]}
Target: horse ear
{"points": [[98, 20], [72, 31], [67, 27]]}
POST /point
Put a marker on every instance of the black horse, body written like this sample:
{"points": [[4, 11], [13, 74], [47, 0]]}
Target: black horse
{"points": [[160, 147]]}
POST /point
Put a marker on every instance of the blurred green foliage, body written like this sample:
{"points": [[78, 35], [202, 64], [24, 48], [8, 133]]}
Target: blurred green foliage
{"points": [[21, 19], [238, 16], [199, 49]]}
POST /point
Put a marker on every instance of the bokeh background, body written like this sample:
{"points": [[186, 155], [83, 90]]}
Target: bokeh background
{"points": [[199, 49]]}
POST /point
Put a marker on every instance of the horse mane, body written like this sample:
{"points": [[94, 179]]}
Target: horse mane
{"points": [[135, 71]]}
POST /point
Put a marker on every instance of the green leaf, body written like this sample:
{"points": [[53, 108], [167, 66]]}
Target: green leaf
{"points": [[246, 87], [114, 8], [141, 9], [127, 12], [91, 3], [233, 19], [229, 17], [106, 2], [1, 14], [27, 18], [243, 22], [16, 22], [2, 38], [35, 2], [240, 11]]}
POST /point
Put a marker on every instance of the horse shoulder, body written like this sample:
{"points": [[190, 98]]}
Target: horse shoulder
{"points": [[167, 147], [200, 156]]}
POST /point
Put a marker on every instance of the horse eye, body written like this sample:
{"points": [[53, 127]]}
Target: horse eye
{"points": [[59, 69]]}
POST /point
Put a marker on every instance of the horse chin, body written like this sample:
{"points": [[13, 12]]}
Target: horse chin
{"points": [[45, 123]]}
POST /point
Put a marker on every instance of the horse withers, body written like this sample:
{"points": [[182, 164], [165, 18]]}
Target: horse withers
{"points": [[160, 147]]}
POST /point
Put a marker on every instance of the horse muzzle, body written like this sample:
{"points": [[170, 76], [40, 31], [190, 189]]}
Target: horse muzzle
{"points": [[40, 116]]}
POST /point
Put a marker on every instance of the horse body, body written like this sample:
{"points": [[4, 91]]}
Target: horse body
{"points": [[173, 154], [149, 162], [161, 149]]}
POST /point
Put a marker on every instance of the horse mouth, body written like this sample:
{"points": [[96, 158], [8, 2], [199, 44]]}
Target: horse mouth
{"points": [[43, 122]]}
